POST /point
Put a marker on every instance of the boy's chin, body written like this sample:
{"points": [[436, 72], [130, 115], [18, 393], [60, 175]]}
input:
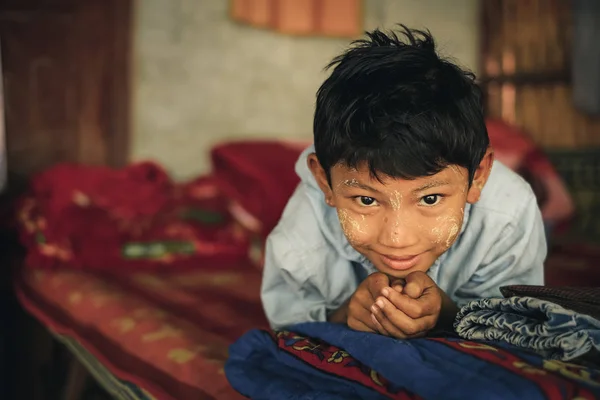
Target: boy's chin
{"points": [[395, 274]]}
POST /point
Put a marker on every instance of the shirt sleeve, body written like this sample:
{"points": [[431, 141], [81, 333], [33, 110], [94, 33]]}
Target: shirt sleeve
{"points": [[287, 294], [303, 284], [516, 258]]}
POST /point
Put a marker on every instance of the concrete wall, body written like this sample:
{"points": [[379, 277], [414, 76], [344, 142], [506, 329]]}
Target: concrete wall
{"points": [[200, 78]]}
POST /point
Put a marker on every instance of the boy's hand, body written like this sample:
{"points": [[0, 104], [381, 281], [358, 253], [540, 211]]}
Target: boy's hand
{"points": [[359, 309], [410, 312]]}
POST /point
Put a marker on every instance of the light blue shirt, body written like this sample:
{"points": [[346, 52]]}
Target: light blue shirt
{"points": [[311, 269]]}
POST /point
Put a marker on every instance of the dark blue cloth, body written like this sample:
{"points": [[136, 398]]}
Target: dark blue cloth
{"points": [[432, 369]]}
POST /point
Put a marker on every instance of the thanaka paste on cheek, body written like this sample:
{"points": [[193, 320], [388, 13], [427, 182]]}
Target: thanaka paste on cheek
{"points": [[447, 229], [352, 228], [437, 233], [452, 234]]}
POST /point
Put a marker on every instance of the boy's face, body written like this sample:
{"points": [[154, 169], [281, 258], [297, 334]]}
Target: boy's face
{"points": [[400, 225]]}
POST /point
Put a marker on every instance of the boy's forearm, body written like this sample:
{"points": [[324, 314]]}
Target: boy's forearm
{"points": [[339, 316]]}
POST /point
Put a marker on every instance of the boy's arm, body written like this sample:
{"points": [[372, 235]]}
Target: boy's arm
{"points": [[303, 285], [339, 316], [286, 295], [447, 315], [516, 258]]}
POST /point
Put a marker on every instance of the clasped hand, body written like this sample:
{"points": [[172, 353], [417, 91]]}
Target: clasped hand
{"points": [[401, 309]]}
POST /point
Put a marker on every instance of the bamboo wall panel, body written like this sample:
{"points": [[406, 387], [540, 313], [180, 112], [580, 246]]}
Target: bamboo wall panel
{"points": [[525, 65]]}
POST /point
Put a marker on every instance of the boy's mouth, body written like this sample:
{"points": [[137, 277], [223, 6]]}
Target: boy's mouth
{"points": [[400, 263]]}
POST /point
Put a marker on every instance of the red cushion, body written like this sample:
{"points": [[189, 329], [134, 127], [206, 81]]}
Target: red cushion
{"points": [[259, 176], [133, 218], [513, 147]]}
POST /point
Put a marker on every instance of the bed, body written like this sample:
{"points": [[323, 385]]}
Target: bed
{"points": [[160, 329]]}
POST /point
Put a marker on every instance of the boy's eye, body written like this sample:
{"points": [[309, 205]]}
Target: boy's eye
{"points": [[430, 200], [366, 201]]}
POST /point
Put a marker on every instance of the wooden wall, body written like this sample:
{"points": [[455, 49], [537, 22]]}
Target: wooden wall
{"points": [[66, 72], [526, 74]]}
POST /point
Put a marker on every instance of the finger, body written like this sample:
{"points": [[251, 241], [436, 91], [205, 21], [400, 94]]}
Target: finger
{"points": [[360, 326], [410, 327], [399, 332], [380, 327], [378, 281], [359, 318], [359, 312], [416, 283], [375, 310], [397, 282], [364, 314], [364, 299], [414, 308], [398, 288], [386, 324]]}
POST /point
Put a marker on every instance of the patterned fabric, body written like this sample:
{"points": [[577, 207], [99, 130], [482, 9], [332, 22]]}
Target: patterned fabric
{"points": [[330, 361], [581, 300], [530, 323]]}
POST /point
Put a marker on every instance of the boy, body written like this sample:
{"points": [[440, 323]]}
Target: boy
{"points": [[391, 228]]}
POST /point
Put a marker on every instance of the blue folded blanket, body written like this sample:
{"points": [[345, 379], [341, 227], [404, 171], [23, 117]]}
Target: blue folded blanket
{"points": [[530, 323], [331, 361]]}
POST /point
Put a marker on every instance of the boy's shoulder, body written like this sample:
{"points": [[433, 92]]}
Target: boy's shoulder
{"points": [[506, 195], [506, 208], [309, 225], [300, 218]]}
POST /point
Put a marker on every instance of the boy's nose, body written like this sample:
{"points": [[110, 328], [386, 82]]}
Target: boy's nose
{"points": [[397, 232]]}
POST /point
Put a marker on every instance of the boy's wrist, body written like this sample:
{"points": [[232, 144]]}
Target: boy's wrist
{"points": [[339, 316], [445, 322]]}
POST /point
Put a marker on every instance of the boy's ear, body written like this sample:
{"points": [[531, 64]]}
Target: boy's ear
{"points": [[481, 176], [321, 177]]}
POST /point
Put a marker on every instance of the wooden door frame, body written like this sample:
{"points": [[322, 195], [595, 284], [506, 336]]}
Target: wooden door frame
{"points": [[121, 126], [112, 114]]}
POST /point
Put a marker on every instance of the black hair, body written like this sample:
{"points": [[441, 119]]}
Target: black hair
{"points": [[400, 108]]}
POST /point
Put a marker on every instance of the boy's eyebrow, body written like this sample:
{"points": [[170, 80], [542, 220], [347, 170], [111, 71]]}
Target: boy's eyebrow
{"points": [[431, 185], [356, 184]]}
